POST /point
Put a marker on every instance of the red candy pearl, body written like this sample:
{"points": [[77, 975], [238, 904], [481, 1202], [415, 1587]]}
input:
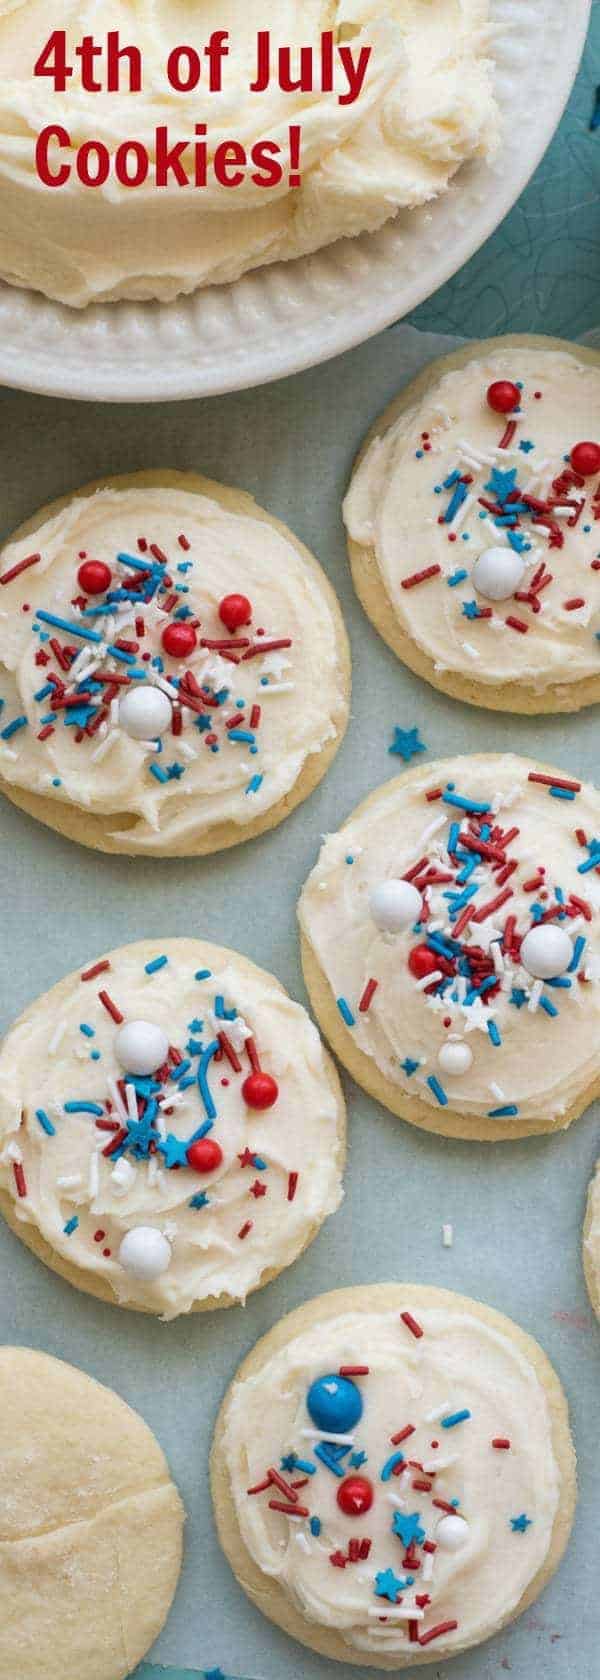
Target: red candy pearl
{"points": [[234, 611], [503, 396], [94, 576], [205, 1155], [585, 459], [355, 1496], [422, 961], [260, 1090], [179, 639]]}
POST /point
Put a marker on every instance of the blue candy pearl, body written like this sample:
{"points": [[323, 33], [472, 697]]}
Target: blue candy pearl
{"points": [[334, 1403]]}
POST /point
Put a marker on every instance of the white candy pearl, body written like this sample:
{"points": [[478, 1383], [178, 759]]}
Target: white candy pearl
{"points": [[497, 573], [141, 1047], [145, 1253], [395, 905], [144, 712], [452, 1533], [455, 1058], [546, 951]]}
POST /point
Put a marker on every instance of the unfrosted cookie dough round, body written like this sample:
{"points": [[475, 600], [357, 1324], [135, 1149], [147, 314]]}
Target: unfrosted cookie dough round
{"points": [[472, 525], [91, 1526], [187, 1185], [174, 671], [393, 1474], [376, 136], [479, 1018], [591, 1242]]}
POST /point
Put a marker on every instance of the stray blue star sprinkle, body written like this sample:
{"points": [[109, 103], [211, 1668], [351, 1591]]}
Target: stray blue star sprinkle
{"points": [[388, 1585], [408, 1528], [408, 1066], [470, 609], [519, 1524], [526, 445], [406, 743], [357, 1459], [288, 1463], [200, 1200], [501, 484]]}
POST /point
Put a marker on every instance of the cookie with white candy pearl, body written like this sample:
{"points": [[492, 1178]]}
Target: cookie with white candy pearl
{"points": [[471, 521], [424, 1505], [174, 669], [172, 1132], [478, 1016], [92, 1525]]}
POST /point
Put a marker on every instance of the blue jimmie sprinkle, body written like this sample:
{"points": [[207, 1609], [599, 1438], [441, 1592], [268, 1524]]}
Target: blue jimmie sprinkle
{"points": [[505, 1113], [494, 1033], [203, 1067], [11, 728], [159, 774], [315, 1526], [71, 626], [549, 1007], [83, 1108], [562, 793], [45, 1122], [71, 1226], [464, 804], [390, 1464], [203, 974], [88, 1032], [454, 1418], [438, 1090], [157, 962], [578, 950], [457, 577], [254, 784], [346, 1012], [242, 735]]}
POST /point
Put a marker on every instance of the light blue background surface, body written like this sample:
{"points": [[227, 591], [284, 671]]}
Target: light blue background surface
{"points": [[517, 1211]]}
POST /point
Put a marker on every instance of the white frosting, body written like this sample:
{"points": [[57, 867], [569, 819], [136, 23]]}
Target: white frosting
{"points": [[47, 1062], [425, 107], [393, 510], [460, 1363], [300, 688], [547, 1050]]}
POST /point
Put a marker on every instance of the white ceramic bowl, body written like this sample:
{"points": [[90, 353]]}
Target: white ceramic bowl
{"points": [[292, 315]]}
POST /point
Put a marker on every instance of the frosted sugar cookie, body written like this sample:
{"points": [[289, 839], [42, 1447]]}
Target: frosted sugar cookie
{"points": [[591, 1242], [393, 1474], [450, 946], [154, 186], [174, 672], [91, 1526], [171, 1130], [473, 525]]}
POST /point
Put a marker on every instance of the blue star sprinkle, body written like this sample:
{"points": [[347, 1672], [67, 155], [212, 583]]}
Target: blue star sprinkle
{"points": [[406, 744], [408, 1066], [519, 1524], [408, 1528], [388, 1585]]}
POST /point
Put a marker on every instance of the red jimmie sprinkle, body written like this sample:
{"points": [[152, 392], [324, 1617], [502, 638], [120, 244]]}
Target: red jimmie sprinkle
{"points": [[22, 566], [229, 1052], [111, 1007], [434, 793], [288, 1510], [20, 1179], [98, 968], [403, 1434], [574, 602], [501, 1442], [436, 1632], [443, 1505], [183, 542], [292, 1186], [354, 1371], [368, 995], [411, 1324], [420, 577], [517, 624], [245, 1230], [553, 781]]}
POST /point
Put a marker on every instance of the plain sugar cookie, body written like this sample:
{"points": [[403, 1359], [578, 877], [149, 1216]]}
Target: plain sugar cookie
{"points": [[472, 520], [90, 1526], [172, 1132], [175, 671], [591, 1242], [393, 1474], [450, 946]]}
